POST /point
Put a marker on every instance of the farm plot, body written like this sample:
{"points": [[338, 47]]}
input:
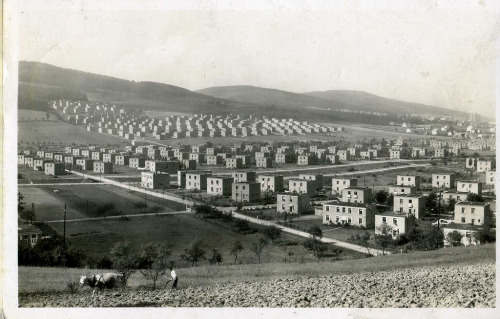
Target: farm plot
{"points": [[87, 201], [28, 175], [36, 279], [415, 288], [48, 205]]}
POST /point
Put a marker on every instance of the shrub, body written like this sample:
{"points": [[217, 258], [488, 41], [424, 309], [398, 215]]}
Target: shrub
{"points": [[315, 232], [317, 247], [454, 238], [216, 257], [271, 232], [72, 286]]}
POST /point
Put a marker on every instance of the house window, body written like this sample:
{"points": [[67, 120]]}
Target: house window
{"points": [[360, 221], [349, 220], [343, 209], [383, 219], [327, 208], [401, 201], [395, 221], [463, 220], [348, 210], [473, 210], [327, 217], [463, 210], [360, 211]]}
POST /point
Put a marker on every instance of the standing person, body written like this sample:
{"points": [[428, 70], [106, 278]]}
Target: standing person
{"points": [[174, 277]]}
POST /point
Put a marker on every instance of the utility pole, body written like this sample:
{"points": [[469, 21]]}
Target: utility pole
{"points": [[439, 211], [64, 238]]}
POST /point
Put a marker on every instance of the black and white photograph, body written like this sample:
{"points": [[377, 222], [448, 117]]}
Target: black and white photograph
{"points": [[199, 159]]}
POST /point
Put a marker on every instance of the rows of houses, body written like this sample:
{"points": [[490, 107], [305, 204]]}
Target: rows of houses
{"points": [[130, 124]]}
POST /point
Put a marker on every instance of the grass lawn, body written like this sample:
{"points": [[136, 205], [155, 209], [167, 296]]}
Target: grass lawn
{"points": [[32, 115], [180, 230], [38, 177], [61, 132], [49, 205], [46, 279]]}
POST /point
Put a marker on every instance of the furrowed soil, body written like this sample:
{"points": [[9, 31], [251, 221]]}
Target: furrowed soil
{"points": [[456, 286]]}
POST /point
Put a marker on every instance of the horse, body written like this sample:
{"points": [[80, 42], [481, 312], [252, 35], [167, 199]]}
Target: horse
{"points": [[100, 281]]}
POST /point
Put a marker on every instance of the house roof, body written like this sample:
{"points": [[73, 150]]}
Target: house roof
{"points": [[392, 214], [462, 226], [396, 185], [28, 229], [339, 203], [357, 188], [484, 204], [410, 195]]}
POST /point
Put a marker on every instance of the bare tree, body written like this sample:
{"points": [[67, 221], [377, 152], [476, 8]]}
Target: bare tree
{"points": [[193, 254], [258, 247], [155, 258], [236, 249]]}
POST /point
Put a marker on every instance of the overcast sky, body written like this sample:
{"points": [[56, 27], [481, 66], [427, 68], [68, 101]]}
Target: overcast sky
{"points": [[432, 52]]}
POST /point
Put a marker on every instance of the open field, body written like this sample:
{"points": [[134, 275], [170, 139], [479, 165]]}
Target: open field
{"points": [[32, 115], [96, 238], [36, 279], [28, 175], [49, 205], [61, 132]]}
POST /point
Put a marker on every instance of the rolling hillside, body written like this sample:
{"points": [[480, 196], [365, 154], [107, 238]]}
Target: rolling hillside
{"points": [[380, 104], [40, 83], [334, 99], [270, 97]]}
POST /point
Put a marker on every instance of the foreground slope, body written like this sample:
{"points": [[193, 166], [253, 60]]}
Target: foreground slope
{"points": [[456, 286]]}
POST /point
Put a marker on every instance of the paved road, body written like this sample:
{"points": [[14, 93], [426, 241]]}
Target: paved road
{"points": [[136, 189], [122, 176], [52, 184], [335, 242], [112, 217], [314, 167], [377, 170]]}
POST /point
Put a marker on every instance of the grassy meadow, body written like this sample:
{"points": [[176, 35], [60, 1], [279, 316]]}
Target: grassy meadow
{"points": [[96, 238], [61, 132]]}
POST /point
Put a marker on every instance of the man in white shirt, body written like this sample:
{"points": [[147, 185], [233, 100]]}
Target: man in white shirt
{"points": [[173, 276]]}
